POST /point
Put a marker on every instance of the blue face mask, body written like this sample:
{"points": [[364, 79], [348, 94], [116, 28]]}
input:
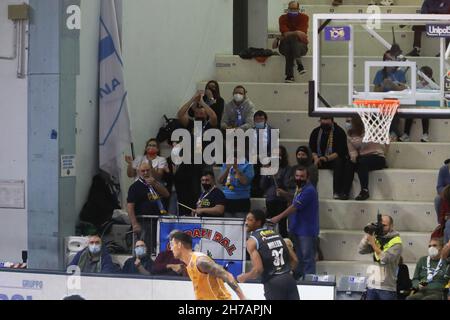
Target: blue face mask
{"points": [[95, 248], [140, 251], [293, 13], [260, 125]]}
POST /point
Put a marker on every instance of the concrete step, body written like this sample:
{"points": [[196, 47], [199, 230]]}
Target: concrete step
{"points": [[388, 184], [367, 45], [334, 69], [298, 125], [355, 215], [271, 96], [353, 268], [343, 245], [282, 3], [286, 105], [399, 155], [277, 8]]}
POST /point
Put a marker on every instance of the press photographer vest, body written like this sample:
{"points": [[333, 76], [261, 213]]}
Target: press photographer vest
{"points": [[395, 240]]}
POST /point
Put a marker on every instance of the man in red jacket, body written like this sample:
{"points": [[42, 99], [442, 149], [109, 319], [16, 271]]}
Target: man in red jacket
{"points": [[294, 39]]}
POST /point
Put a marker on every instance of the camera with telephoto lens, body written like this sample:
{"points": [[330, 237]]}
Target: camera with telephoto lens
{"points": [[375, 228]]}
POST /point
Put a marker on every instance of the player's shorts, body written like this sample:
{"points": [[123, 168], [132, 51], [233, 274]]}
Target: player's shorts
{"points": [[281, 287]]}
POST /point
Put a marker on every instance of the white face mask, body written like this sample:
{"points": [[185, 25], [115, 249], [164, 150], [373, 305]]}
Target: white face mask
{"points": [[95, 248], [433, 252], [238, 97]]}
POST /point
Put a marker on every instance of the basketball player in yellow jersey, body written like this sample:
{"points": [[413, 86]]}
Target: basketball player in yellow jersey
{"points": [[207, 276]]}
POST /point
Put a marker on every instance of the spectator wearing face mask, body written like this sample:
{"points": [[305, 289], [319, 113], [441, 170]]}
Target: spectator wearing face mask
{"points": [[364, 157], [151, 156], [294, 39], [391, 79], [303, 216], [144, 199], [189, 172], [212, 200], [214, 100], [430, 274], [328, 144], [141, 263], [238, 113], [275, 188], [263, 144], [305, 160], [94, 258]]}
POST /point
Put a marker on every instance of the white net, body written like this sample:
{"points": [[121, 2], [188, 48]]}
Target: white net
{"points": [[377, 118]]}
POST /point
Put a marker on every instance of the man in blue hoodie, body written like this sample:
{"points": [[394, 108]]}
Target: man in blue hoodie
{"points": [[303, 223], [94, 258]]}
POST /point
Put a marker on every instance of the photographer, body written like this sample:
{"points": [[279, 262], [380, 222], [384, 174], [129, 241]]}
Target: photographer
{"points": [[429, 277], [386, 246]]}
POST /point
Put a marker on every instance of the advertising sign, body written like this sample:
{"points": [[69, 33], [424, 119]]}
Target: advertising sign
{"points": [[221, 239]]}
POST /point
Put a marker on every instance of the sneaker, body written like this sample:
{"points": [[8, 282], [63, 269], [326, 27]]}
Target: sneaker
{"points": [[336, 3], [289, 80], [404, 138], [301, 68], [343, 197], [424, 138], [363, 195], [415, 52], [336, 196], [387, 2]]}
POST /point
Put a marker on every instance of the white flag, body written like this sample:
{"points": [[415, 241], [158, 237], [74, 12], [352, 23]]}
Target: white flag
{"points": [[114, 121]]}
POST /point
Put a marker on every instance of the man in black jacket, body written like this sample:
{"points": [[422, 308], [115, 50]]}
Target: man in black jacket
{"points": [[328, 144]]}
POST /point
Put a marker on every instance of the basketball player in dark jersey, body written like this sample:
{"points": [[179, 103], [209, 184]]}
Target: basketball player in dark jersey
{"points": [[272, 258]]}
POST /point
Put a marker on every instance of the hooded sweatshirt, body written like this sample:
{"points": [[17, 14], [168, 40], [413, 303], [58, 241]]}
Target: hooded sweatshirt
{"points": [[383, 274]]}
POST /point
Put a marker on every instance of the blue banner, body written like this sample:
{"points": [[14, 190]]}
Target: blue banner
{"points": [[337, 33]]}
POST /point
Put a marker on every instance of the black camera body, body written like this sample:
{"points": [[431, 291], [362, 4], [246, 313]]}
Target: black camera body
{"points": [[375, 228]]}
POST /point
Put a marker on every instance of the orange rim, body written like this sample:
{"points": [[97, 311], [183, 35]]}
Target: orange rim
{"points": [[378, 103], [385, 106]]}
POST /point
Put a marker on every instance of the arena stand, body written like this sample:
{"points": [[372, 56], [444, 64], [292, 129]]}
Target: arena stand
{"points": [[405, 190]]}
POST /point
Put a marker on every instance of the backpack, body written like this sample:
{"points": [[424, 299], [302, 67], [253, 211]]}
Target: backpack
{"points": [[165, 132], [251, 52], [102, 201]]}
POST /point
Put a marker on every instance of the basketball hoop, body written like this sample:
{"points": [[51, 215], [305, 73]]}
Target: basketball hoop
{"points": [[377, 117]]}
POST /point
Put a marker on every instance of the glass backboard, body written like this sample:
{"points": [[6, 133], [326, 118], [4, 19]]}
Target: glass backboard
{"points": [[349, 63]]}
